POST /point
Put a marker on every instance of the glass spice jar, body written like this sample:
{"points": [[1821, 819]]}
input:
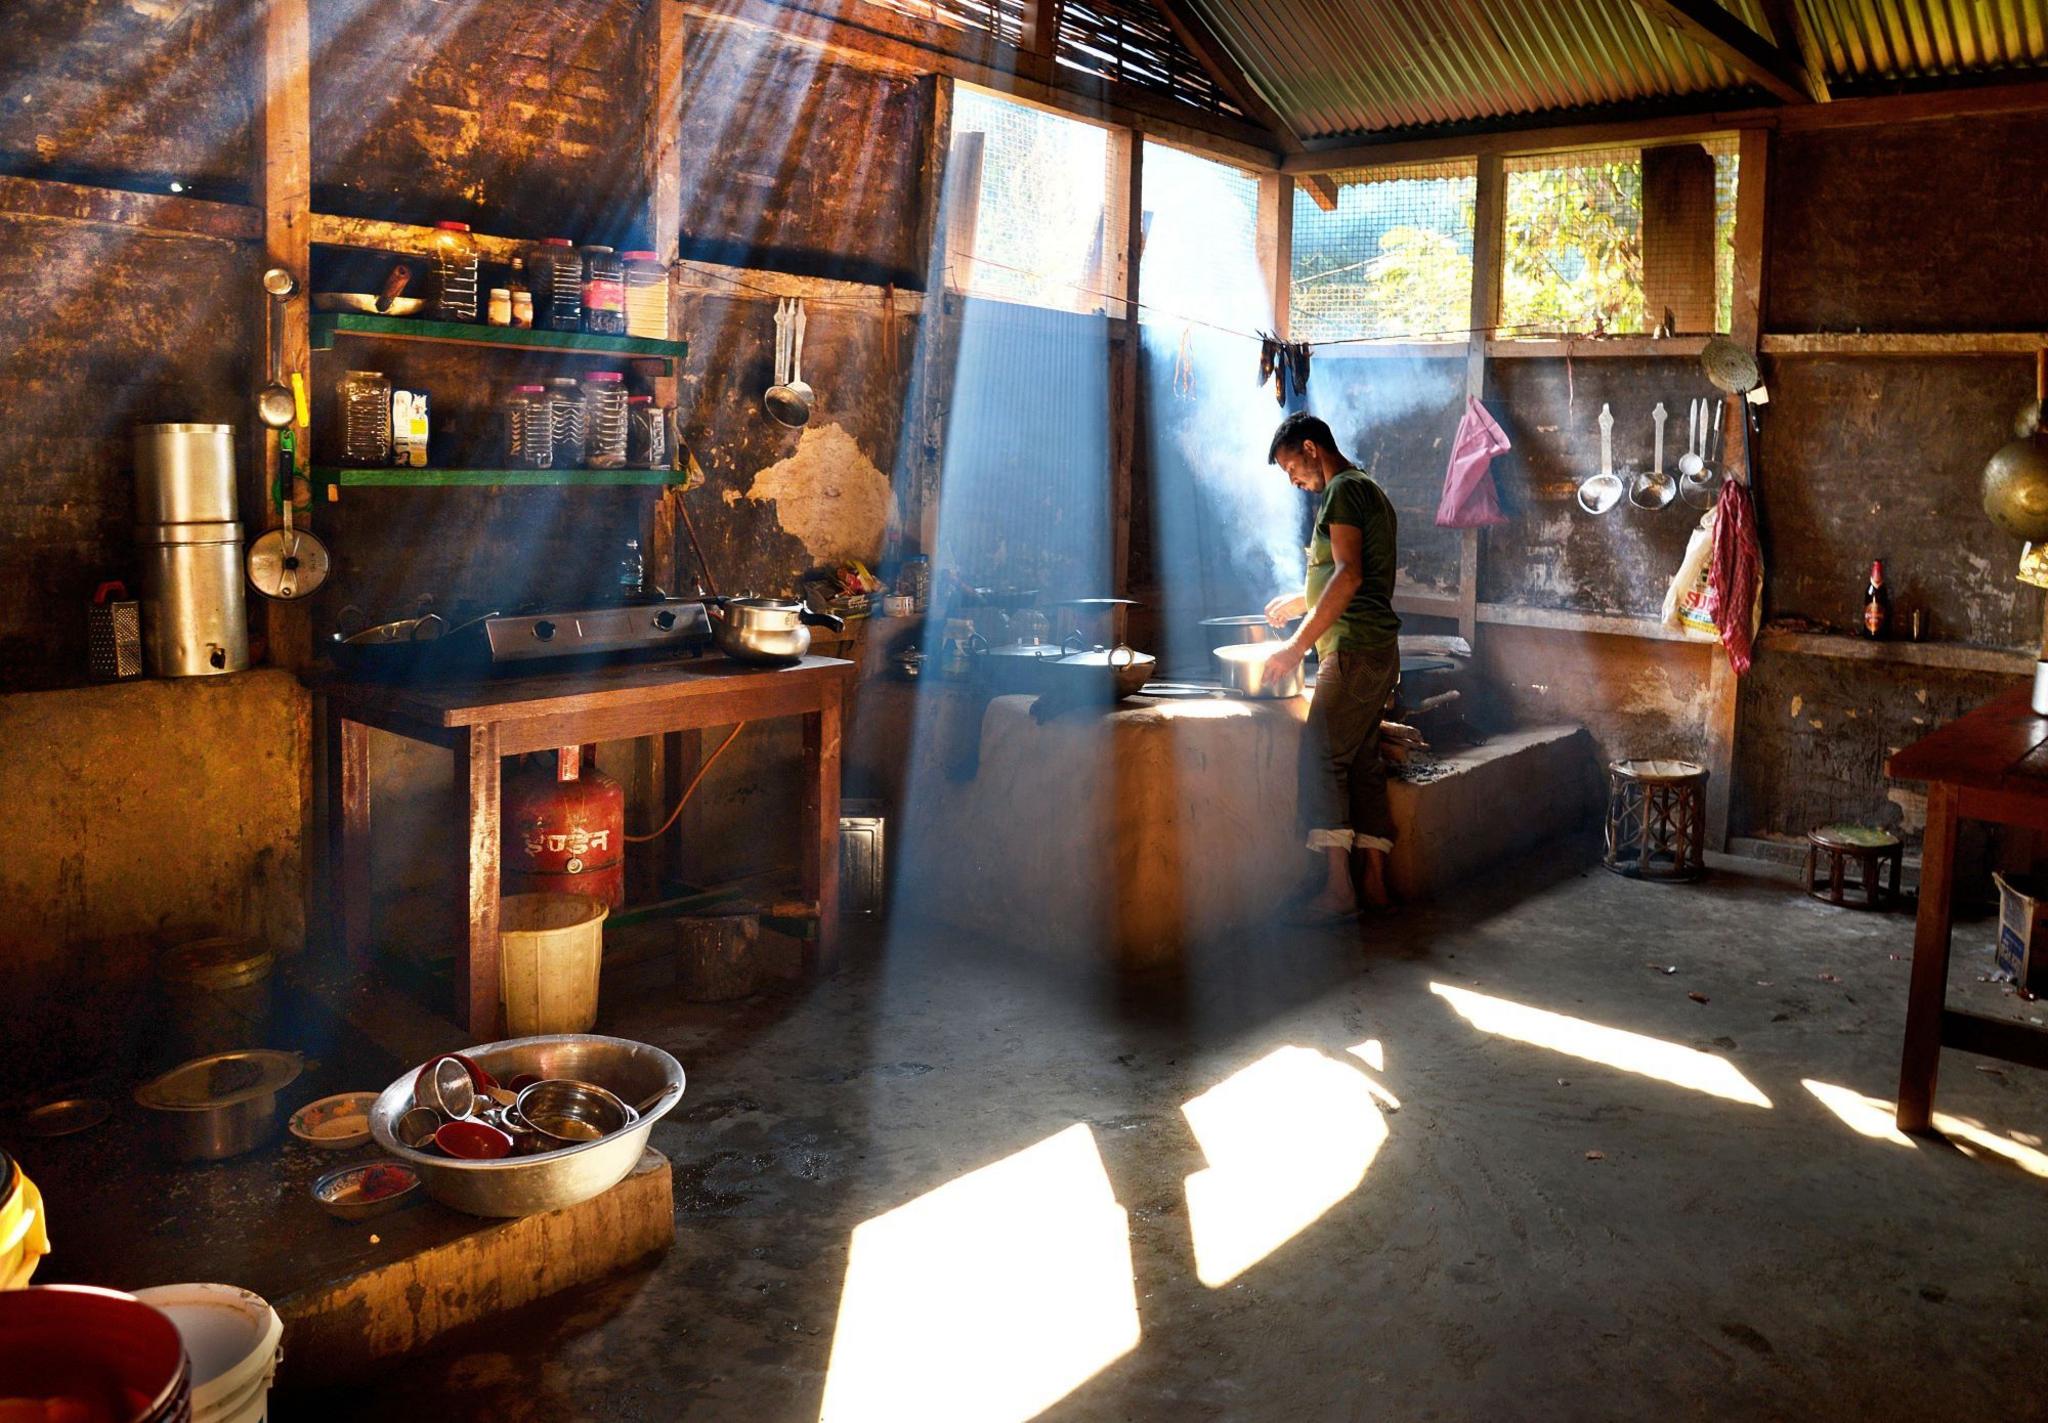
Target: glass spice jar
{"points": [[554, 274], [528, 425], [455, 272], [604, 398], [646, 433], [365, 398], [646, 296], [604, 292], [568, 422]]}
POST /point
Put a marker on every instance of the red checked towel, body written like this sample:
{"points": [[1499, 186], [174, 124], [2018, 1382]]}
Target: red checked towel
{"points": [[1736, 572], [1469, 500]]}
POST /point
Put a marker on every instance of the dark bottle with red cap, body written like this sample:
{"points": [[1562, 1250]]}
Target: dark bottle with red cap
{"points": [[1877, 603]]}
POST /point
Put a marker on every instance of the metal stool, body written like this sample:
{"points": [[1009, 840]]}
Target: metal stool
{"points": [[1656, 819], [1870, 849]]}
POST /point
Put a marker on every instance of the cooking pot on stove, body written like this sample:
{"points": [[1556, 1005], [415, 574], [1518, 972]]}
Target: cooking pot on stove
{"points": [[1015, 667], [772, 631], [1106, 673]]}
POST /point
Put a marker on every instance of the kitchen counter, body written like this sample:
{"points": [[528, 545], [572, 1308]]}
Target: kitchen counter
{"points": [[484, 721]]}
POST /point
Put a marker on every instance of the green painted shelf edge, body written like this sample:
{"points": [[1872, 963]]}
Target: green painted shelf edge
{"points": [[400, 478], [328, 325]]}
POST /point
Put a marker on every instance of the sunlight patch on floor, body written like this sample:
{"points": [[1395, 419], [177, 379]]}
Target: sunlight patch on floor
{"points": [[1611, 1047], [988, 1299], [1286, 1138], [1873, 1117]]}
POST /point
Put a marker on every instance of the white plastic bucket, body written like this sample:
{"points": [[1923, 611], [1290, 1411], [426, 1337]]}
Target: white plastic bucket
{"points": [[231, 1337], [550, 948]]}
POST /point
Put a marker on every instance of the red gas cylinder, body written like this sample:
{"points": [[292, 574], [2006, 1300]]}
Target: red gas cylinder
{"points": [[564, 836]]}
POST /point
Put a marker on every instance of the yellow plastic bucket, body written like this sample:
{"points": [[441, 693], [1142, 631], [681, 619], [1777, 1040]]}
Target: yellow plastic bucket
{"points": [[24, 1240], [551, 947]]}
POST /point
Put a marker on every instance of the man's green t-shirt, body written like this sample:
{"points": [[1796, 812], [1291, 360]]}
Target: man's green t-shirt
{"points": [[1368, 623]]}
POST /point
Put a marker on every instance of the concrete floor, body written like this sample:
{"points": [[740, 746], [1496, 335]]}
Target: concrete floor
{"points": [[1718, 1258]]}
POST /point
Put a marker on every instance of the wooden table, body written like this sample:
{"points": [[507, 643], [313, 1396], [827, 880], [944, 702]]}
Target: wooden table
{"points": [[482, 722], [1991, 764]]}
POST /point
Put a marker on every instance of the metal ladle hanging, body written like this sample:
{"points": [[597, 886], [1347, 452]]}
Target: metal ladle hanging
{"points": [[274, 406]]}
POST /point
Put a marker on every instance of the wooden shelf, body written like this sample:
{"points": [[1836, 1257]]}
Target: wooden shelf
{"points": [[1564, 620], [328, 326], [1906, 343], [1952, 656], [347, 477]]}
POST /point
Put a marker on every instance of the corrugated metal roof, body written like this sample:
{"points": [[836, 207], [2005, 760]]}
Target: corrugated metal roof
{"points": [[1339, 67], [1885, 40]]}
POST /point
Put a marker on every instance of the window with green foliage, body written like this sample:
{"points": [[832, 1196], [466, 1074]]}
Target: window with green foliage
{"points": [[1383, 253], [1586, 252]]}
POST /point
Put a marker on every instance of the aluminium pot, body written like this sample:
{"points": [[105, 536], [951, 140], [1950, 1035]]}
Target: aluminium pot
{"points": [[772, 631], [1241, 667], [221, 1105], [1242, 628], [1016, 668]]}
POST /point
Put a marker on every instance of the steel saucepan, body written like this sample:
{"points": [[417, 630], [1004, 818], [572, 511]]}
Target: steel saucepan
{"points": [[772, 631], [1241, 668], [215, 1107], [1016, 668]]}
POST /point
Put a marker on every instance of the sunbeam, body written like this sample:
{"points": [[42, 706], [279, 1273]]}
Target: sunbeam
{"points": [[1624, 1051], [989, 1299], [1286, 1139]]}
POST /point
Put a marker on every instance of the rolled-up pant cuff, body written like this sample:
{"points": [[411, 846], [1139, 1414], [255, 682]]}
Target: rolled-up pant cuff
{"points": [[1348, 840]]}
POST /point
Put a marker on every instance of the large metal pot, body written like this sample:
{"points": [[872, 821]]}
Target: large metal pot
{"points": [[1242, 628], [1107, 673], [184, 474], [774, 631], [219, 1106], [194, 619], [1241, 668], [1016, 668], [522, 1185]]}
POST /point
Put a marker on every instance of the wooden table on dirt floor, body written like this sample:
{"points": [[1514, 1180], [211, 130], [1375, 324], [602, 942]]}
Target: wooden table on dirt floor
{"points": [[484, 721], [1991, 764]]}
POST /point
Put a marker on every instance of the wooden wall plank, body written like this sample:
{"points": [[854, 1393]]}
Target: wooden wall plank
{"points": [[286, 195]]}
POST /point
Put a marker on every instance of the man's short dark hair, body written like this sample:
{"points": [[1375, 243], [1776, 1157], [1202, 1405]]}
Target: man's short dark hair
{"points": [[1296, 430]]}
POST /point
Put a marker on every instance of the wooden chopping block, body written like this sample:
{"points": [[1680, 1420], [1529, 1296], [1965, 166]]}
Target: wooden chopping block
{"points": [[718, 956]]}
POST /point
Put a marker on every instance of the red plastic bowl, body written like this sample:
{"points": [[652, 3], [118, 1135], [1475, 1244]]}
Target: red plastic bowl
{"points": [[118, 1357], [473, 1141]]}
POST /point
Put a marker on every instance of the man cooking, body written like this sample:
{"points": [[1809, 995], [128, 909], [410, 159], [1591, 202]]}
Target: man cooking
{"points": [[1347, 613]]}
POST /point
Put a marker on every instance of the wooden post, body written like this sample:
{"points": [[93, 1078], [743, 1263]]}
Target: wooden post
{"points": [[286, 187], [821, 830], [1127, 197], [1276, 245], [1489, 217], [476, 979], [1752, 187], [348, 750], [664, 49], [1927, 992]]}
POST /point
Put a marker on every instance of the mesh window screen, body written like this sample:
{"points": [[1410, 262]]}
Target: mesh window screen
{"points": [[1619, 241], [1201, 251], [1383, 252], [1037, 227]]}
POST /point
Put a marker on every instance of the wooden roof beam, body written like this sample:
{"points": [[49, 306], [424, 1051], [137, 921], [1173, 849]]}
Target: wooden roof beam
{"points": [[1736, 45], [1192, 32], [1795, 36], [1323, 189]]}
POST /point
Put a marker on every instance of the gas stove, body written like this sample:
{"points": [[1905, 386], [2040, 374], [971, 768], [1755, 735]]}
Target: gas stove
{"points": [[652, 625]]}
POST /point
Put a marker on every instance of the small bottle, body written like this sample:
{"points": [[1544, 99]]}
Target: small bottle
{"points": [[1877, 603], [632, 571], [498, 311], [522, 310]]}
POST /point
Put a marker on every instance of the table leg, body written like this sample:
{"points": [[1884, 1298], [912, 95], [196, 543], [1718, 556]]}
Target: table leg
{"points": [[821, 843], [350, 753], [1926, 995], [682, 756], [476, 980]]}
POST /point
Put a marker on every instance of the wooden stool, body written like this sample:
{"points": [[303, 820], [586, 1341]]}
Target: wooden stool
{"points": [[1656, 819], [1870, 848]]}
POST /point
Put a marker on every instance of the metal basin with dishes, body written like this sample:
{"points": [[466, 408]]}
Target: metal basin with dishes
{"points": [[523, 1185]]}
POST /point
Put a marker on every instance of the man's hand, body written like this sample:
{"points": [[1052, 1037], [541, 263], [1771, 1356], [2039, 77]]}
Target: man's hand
{"points": [[1285, 609], [1280, 663]]}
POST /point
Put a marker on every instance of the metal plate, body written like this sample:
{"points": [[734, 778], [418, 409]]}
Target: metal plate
{"points": [[287, 566], [64, 1116]]}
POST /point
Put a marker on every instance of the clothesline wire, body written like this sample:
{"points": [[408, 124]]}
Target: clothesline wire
{"points": [[1392, 338]]}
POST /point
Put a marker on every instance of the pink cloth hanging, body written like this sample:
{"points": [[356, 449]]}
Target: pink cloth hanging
{"points": [[1469, 500]]}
